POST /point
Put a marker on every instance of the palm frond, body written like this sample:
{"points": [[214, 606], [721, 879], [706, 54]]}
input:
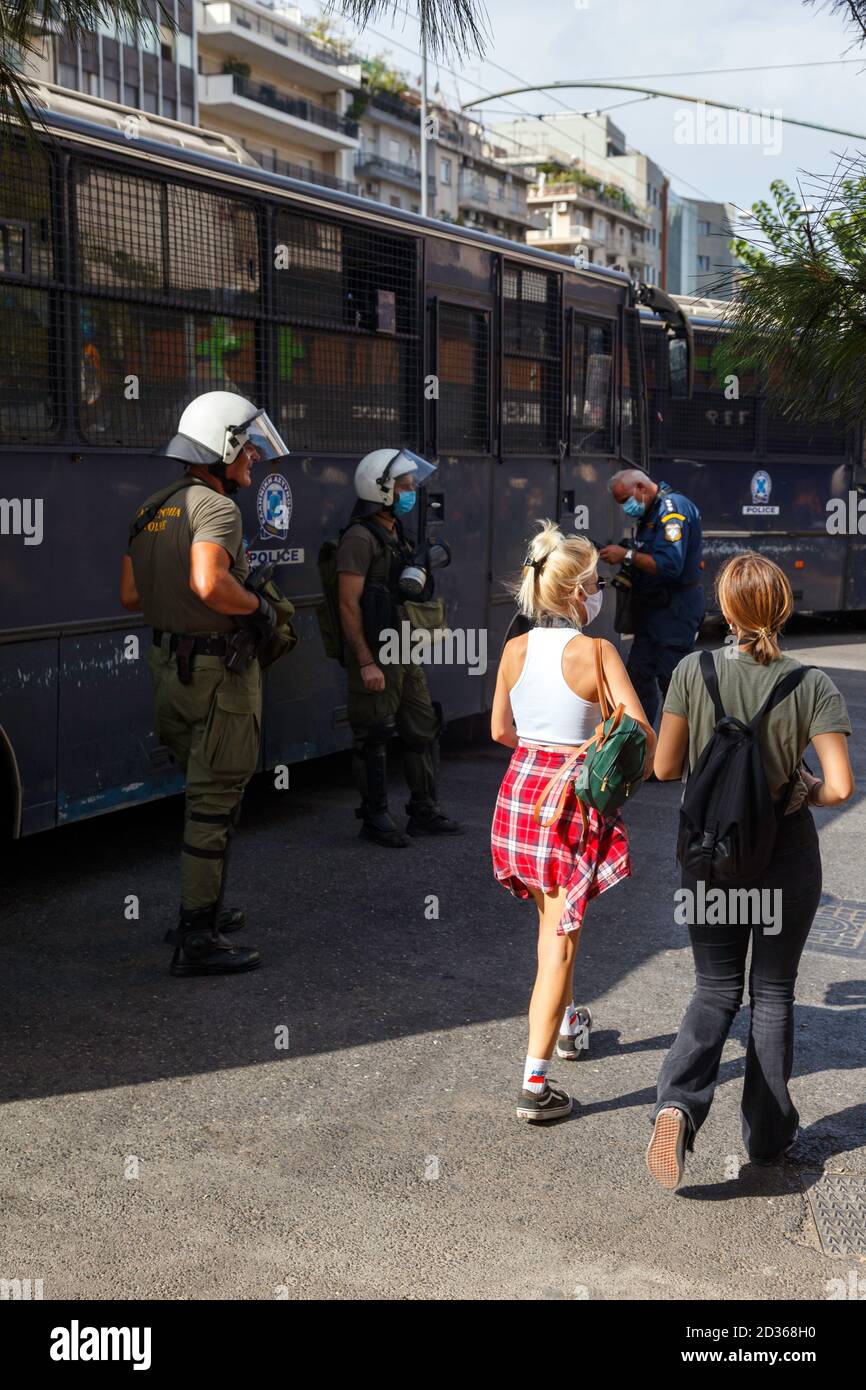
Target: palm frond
{"points": [[451, 28], [798, 311]]}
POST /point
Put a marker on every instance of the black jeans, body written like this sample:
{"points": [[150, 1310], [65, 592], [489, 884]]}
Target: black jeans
{"points": [[690, 1070]]}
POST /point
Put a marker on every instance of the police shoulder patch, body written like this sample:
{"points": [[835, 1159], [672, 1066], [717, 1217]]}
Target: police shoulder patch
{"points": [[673, 531]]}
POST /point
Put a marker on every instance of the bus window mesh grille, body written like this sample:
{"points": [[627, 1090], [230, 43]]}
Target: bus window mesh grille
{"points": [[462, 380], [347, 347], [532, 361], [31, 404], [591, 387]]}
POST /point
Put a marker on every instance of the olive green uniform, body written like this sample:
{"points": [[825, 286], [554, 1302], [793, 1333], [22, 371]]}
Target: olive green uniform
{"points": [[404, 707], [211, 724]]}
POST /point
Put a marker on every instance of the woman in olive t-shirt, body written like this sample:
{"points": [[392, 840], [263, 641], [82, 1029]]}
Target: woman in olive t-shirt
{"points": [[756, 600]]}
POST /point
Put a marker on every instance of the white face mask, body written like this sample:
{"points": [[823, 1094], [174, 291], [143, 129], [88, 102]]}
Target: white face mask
{"points": [[592, 604]]}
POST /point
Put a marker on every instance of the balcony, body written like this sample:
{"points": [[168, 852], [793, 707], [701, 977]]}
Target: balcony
{"points": [[551, 193], [245, 31], [373, 166], [473, 193], [257, 105], [577, 234], [300, 171], [389, 104]]}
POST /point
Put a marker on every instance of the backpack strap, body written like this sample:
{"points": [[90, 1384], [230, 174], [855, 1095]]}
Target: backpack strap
{"points": [[780, 691], [711, 681], [147, 515]]}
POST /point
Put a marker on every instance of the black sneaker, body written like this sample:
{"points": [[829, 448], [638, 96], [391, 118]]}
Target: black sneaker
{"points": [[382, 830], [432, 823], [552, 1104], [766, 1162], [570, 1046]]}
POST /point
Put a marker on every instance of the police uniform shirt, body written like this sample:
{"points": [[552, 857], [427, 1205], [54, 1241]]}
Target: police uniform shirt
{"points": [[160, 557], [671, 534]]}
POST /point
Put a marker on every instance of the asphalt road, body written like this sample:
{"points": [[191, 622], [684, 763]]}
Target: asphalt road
{"points": [[340, 1123]]}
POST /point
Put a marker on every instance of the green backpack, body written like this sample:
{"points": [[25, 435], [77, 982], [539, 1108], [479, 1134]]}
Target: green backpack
{"points": [[613, 768], [328, 611]]}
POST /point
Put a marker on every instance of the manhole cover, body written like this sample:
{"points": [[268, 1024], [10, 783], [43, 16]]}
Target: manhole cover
{"points": [[839, 928], [839, 1208]]}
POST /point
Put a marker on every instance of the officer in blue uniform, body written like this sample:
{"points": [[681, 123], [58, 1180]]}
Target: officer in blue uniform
{"points": [[665, 562]]}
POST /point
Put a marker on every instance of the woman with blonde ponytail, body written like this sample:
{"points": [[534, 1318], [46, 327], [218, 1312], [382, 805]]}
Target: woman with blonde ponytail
{"points": [[545, 706], [756, 600]]}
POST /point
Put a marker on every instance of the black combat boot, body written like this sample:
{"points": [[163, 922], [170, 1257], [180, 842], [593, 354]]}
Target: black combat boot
{"points": [[425, 818], [203, 950], [377, 823], [230, 919]]}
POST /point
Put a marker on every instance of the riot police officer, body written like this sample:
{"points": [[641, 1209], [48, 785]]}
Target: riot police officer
{"points": [[665, 567], [187, 571], [386, 698]]}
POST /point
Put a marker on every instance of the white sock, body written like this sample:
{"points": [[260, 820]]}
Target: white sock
{"points": [[569, 1023], [535, 1074]]}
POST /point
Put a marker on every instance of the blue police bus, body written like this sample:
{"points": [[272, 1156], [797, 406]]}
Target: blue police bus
{"points": [[142, 263], [761, 482]]}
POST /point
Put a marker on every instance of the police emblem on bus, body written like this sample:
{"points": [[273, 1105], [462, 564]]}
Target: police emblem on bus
{"points": [[274, 506], [761, 486]]}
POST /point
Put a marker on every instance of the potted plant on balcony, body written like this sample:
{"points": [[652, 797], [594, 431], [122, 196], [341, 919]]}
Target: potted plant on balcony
{"points": [[235, 67]]}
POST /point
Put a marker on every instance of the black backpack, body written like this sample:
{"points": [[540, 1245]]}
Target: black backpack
{"points": [[728, 821]]}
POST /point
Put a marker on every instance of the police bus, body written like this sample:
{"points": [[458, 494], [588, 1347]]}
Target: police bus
{"points": [[788, 489], [143, 262]]}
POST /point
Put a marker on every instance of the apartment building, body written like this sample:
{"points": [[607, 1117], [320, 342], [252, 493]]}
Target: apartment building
{"points": [[596, 197], [699, 259], [292, 102], [157, 74]]}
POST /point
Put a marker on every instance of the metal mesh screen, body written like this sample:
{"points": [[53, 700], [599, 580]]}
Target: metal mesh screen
{"points": [[30, 383], [709, 421], [591, 387], [799, 437], [140, 366], [164, 242], [462, 368], [347, 349], [632, 398], [532, 361], [657, 381]]}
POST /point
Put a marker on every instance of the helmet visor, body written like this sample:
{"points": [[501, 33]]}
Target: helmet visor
{"points": [[263, 434], [407, 462]]}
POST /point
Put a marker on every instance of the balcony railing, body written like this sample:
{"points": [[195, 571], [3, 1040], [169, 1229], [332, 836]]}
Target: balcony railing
{"points": [[300, 171], [218, 14], [396, 106], [370, 163], [551, 191], [299, 107], [472, 191]]}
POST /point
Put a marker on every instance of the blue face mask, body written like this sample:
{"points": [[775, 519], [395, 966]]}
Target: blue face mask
{"points": [[632, 507], [404, 503]]}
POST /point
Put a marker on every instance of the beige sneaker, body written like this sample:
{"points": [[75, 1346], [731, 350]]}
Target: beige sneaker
{"points": [[666, 1154]]}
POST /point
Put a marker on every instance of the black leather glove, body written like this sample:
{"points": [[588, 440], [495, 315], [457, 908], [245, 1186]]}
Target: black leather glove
{"points": [[264, 621]]}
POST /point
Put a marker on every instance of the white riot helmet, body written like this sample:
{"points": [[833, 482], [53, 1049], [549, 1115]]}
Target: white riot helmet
{"points": [[377, 472], [215, 427]]}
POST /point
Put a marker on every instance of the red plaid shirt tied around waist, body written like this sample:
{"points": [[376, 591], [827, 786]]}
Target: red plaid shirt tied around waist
{"points": [[529, 855]]}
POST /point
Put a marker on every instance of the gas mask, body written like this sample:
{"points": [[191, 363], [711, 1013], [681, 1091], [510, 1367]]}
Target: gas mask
{"points": [[413, 579]]}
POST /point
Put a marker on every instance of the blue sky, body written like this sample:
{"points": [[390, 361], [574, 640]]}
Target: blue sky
{"points": [[548, 40]]}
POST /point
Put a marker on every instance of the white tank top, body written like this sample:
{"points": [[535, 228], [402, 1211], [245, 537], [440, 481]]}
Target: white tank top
{"points": [[545, 708]]}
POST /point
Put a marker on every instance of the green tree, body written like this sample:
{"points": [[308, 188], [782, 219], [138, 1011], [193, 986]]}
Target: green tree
{"points": [[24, 25], [800, 312], [452, 28]]}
